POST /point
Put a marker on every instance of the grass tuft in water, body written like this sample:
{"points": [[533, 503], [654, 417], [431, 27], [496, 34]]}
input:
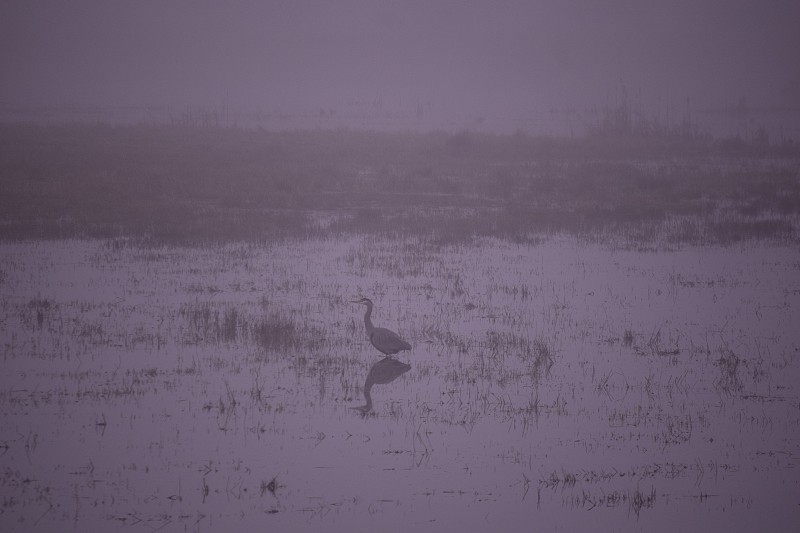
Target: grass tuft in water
{"points": [[728, 364]]}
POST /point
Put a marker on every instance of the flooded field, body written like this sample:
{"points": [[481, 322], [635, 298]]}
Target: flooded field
{"points": [[555, 385]]}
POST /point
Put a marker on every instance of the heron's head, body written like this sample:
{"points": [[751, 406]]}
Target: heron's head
{"points": [[362, 301]]}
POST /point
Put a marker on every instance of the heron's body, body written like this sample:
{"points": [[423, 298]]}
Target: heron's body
{"points": [[386, 341]]}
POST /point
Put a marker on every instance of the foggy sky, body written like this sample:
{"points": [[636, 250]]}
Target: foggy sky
{"points": [[479, 56]]}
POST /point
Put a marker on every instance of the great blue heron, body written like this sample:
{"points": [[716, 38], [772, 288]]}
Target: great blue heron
{"points": [[384, 371], [387, 341]]}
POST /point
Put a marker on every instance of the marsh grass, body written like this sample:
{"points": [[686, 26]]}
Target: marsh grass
{"points": [[269, 330], [627, 338], [274, 332], [528, 360], [180, 185], [540, 358], [729, 382], [511, 357]]}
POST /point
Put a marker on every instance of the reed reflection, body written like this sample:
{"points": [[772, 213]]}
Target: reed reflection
{"points": [[384, 371]]}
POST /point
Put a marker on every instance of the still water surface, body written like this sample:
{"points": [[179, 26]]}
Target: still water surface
{"points": [[558, 386]]}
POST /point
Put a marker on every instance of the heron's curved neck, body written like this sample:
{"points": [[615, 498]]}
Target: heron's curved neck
{"points": [[367, 319]]}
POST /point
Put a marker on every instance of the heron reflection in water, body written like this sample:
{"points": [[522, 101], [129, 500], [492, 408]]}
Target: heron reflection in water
{"points": [[384, 371]]}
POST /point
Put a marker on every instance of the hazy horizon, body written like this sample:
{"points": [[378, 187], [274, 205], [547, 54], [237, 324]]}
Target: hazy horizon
{"points": [[468, 58]]}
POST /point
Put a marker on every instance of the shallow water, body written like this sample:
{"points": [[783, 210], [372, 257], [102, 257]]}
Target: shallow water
{"points": [[561, 386]]}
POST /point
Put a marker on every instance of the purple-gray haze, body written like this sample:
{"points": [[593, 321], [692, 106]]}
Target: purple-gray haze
{"points": [[562, 375], [479, 58]]}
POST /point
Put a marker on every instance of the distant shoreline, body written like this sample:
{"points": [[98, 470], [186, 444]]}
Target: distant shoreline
{"points": [[192, 185]]}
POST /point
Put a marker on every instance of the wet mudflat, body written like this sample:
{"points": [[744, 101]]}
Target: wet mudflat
{"points": [[559, 385]]}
